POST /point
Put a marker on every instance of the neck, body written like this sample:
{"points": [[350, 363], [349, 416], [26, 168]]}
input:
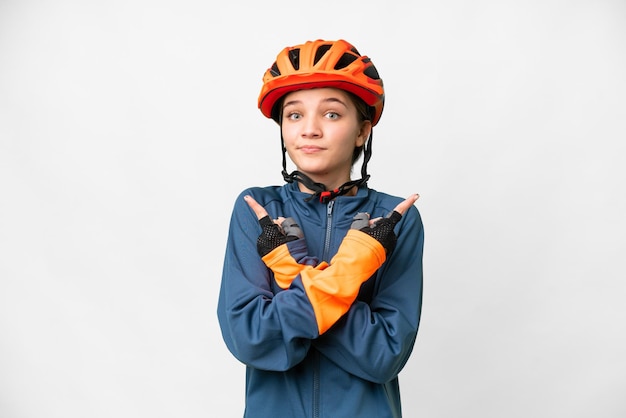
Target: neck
{"points": [[305, 189], [330, 182], [320, 190]]}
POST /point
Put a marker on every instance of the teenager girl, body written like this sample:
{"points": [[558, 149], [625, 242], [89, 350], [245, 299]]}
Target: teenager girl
{"points": [[321, 290]]}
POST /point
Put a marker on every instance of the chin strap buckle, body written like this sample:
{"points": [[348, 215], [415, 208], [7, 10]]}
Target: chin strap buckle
{"points": [[328, 195]]}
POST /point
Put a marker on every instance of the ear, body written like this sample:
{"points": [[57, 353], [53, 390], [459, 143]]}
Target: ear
{"points": [[364, 133]]}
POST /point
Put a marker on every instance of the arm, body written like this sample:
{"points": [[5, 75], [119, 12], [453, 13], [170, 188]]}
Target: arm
{"points": [[281, 245], [374, 341], [333, 288], [282, 248], [274, 331], [263, 330]]}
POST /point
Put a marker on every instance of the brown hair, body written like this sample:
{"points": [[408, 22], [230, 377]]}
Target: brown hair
{"points": [[363, 113]]}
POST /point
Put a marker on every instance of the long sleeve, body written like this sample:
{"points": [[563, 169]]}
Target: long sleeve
{"points": [[264, 330], [273, 331], [288, 260], [331, 289], [374, 340]]}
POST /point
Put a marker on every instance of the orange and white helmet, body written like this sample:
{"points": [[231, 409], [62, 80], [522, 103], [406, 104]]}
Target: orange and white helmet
{"points": [[322, 64]]}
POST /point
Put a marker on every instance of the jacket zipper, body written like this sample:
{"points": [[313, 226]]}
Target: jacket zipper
{"points": [[329, 225], [316, 358], [316, 384]]}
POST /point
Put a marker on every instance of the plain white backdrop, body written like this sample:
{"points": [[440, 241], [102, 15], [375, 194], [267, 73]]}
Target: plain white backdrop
{"points": [[128, 127]]}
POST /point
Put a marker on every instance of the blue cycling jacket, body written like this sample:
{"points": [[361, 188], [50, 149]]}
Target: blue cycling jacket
{"points": [[324, 324]]}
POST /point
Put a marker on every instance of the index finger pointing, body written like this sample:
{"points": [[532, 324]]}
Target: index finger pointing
{"points": [[254, 205], [406, 203]]}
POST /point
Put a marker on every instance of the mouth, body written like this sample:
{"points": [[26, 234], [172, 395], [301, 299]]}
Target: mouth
{"points": [[310, 149]]}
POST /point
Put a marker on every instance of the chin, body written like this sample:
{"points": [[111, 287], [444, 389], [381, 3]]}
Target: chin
{"points": [[311, 168]]}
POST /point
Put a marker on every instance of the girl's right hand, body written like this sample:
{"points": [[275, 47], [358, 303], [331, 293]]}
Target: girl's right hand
{"points": [[274, 233]]}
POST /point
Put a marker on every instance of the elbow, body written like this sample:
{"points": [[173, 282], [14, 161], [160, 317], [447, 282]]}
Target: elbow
{"points": [[391, 360], [261, 350]]}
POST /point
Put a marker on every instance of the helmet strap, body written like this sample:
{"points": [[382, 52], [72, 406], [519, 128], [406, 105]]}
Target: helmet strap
{"points": [[319, 189]]}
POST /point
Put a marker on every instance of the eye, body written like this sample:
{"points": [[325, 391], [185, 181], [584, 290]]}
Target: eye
{"points": [[332, 115], [293, 116]]}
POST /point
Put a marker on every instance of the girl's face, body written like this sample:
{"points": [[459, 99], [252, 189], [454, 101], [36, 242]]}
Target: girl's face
{"points": [[321, 128]]}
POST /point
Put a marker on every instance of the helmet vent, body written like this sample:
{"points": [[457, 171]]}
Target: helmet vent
{"points": [[320, 52], [322, 64], [274, 70], [345, 60], [371, 71], [294, 57]]}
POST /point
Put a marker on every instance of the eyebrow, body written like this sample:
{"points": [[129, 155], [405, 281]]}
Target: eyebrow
{"points": [[329, 99]]}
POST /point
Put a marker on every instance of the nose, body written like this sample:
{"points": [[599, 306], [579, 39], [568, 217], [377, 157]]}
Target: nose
{"points": [[311, 128]]}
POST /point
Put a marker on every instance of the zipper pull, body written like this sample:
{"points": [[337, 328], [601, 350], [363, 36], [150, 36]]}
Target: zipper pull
{"points": [[329, 208]]}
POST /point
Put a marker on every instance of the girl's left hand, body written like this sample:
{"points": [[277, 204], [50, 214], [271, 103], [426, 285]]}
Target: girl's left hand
{"points": [[382, 228]]}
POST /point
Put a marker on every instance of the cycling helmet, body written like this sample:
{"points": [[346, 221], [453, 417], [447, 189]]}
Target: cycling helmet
{"points": [[322, 64]]}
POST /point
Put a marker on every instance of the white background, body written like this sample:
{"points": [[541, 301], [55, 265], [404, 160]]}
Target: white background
{"points": [[128, 127]]}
